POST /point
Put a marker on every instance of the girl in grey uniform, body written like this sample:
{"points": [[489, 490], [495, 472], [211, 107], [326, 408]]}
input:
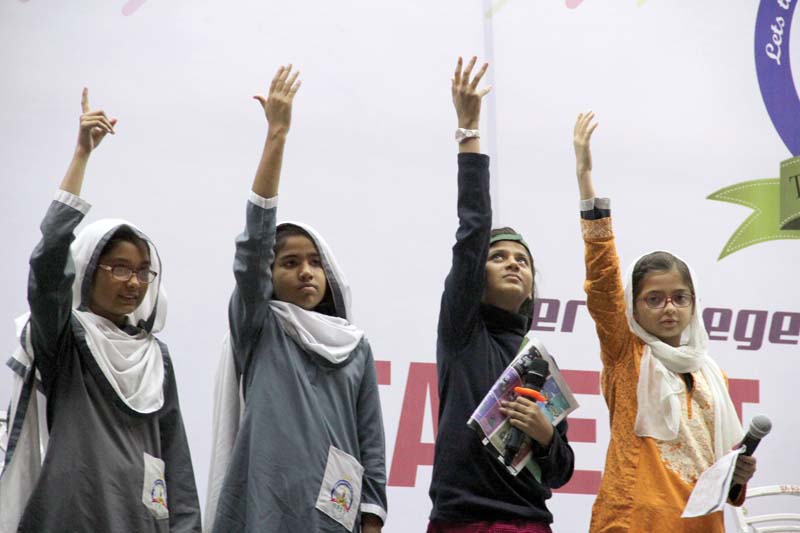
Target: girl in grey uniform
{"points": [[298, 434], [116, 455]]}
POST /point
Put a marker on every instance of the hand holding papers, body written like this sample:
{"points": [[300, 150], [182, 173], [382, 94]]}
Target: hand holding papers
{"points": [[711, 491]]}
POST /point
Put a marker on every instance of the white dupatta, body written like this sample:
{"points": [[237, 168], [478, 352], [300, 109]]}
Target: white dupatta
{"points": [[660, 383]]}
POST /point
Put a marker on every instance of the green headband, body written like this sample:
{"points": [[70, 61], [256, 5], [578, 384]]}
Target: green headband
{"points": [[516, 237]]}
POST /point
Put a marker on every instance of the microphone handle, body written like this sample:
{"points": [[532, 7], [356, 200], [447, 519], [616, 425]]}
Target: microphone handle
{"points": [[750, 444]]}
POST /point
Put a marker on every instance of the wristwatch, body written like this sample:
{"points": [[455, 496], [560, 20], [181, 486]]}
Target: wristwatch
{"points": [[463, 134]]}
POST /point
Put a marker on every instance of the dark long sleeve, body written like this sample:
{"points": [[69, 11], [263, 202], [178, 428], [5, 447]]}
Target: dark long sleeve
{"points": [[463, 288], [558, 462], [50, 282], [249, 302]]}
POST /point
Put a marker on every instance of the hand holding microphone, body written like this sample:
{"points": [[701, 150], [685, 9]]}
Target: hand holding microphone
{"points": [[523, 413], [760, 426]]}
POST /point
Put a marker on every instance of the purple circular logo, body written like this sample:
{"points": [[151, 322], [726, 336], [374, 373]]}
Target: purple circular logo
{"points": [[774, 69]]}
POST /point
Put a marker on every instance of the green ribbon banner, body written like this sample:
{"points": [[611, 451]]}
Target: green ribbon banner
{"points": [[776, 208]]}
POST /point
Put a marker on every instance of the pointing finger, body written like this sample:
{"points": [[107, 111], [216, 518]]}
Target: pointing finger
{"points": [[85, 100]]}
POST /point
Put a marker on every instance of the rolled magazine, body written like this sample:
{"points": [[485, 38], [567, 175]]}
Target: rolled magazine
{"points": [[494, 427]]}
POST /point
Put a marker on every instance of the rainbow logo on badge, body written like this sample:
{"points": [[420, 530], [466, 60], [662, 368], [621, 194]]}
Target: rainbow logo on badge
{"points": [[342, 495]]}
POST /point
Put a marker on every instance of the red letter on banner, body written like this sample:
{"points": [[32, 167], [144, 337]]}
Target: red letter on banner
{"points": [[409, 451], [743, 391]]}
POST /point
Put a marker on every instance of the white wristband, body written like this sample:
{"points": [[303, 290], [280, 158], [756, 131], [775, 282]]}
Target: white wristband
{"points": [[463, 134]]}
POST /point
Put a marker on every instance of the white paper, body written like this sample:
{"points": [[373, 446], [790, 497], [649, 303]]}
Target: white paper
{"points": [[711, 491]]}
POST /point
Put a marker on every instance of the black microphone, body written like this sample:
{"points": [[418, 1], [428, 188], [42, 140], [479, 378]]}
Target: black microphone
{"points": [[534, 372], [760, 427]]}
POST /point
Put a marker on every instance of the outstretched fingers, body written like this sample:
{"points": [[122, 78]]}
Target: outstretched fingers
{"points": [[279, 82], [294, 88], [478, 76], [468, 70], [290, 83], [585, 125], [457, 74]]}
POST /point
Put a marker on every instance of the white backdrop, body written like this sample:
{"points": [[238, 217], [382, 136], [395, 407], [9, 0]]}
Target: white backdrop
{"points": [[371, 162]]}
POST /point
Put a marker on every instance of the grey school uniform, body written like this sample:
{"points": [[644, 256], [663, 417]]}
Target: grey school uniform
{"points": [[93, 478], [297, 404]]}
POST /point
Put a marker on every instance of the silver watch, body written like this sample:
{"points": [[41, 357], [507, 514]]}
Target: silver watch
{"points": [[463, 134]]}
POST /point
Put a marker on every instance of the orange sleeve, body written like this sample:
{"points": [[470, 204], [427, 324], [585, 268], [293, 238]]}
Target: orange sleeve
{"points": [[605, 295]]}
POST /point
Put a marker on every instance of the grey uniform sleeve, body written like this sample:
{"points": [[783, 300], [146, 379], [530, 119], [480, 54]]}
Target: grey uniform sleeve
{"points": [[52, 273], [371, 443], [182, 500], [463, 287], [249, 302]]}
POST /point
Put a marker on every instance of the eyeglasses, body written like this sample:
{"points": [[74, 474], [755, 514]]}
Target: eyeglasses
{"points": [[658, 300], [123, 273]]}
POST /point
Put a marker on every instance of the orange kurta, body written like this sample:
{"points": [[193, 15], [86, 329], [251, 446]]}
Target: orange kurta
{"points": [[646, 482]]}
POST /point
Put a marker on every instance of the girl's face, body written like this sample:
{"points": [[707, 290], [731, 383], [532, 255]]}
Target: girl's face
{"points": [[113, 298], [661, 307], [297, 273], [509, 276]]}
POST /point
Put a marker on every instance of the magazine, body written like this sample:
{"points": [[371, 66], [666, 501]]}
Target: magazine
{"points": [[494, 427]]}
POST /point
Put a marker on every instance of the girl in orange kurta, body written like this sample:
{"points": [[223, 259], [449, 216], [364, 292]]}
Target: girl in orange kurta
{"points": [[670, 412]]}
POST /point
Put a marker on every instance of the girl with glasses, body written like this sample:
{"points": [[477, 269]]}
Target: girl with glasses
{"points": [[116, 454], [671, 414], [298, 434]]}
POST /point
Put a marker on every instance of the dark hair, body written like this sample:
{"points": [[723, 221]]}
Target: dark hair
{"points": [[527, 305], [285, 231], [659, 262], [326, 306], [124, 234]]}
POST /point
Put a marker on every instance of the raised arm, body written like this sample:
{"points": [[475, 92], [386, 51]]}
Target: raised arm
{"points": [[605, 295], [464, 284], [278, 109], [52, 271], [254, 254]]}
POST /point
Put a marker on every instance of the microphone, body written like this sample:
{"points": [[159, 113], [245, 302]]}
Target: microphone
{"points": [[534, 372], [760, 427]]}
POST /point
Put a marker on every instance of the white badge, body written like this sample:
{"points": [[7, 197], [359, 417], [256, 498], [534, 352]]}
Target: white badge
{"points": [[340, 494], [154, 488]]}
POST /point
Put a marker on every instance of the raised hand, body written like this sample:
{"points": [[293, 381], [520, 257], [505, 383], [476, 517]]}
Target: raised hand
{"points": [[584, 127], [582, 135], [278, 103], [278, 108], [94, 126], [466, 96]]}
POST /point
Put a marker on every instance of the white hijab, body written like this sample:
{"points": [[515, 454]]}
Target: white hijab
{"points": [[332, 337], [132, 364], [660, 383]]}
